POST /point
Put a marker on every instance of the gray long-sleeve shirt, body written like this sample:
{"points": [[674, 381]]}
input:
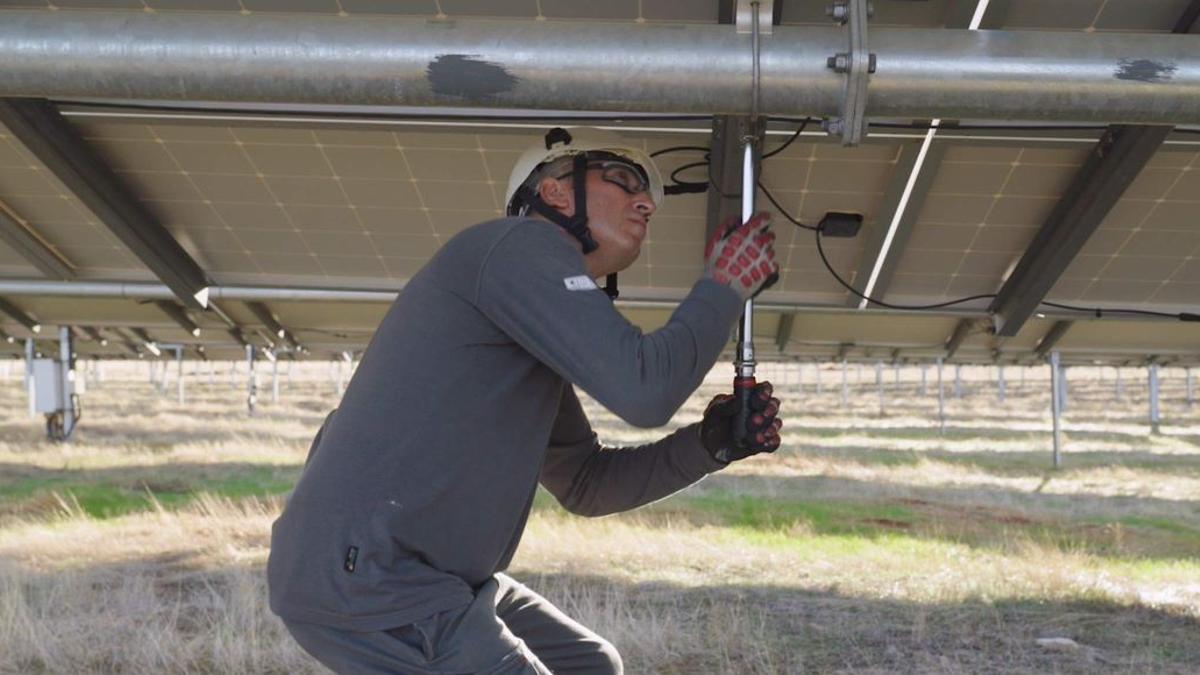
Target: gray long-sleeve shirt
{"points": [[418, 488]]}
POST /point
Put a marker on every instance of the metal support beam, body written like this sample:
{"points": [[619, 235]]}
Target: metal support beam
{"points": [[787, 323], [1001, 394], [147, 341], [18, 315], [268, 319], [20, 237], [95, 335], [898, 212], [1056, 407], [577, 65], [1113, 165], [38, 125], [1052, 337], [179, 316], [1115, 162], [961, 331], [727, 149]]}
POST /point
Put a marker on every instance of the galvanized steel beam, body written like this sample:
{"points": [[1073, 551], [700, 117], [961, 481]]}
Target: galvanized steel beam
{"points": [[1052, 337], [1114, 164], [1034, 75], [38, 125], [15, 232], [1109, 170]]}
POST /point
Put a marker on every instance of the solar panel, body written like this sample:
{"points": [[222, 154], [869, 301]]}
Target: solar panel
{"points": [[333, 204]]}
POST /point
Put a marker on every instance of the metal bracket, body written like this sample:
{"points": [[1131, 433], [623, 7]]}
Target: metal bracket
{"points": [[857, 64], [744, 19]]}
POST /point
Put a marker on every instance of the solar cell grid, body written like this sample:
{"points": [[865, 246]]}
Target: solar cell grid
{"points": [[31, 193]]}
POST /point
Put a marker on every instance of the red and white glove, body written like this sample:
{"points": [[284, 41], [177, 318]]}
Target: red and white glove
{"points": [[742, 255]]}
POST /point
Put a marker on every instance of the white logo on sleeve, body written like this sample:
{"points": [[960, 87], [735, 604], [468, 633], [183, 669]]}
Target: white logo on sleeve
{"points": [[580, 283]]}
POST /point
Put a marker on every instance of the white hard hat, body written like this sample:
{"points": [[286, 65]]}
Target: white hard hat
{"points": [[579, 140]]}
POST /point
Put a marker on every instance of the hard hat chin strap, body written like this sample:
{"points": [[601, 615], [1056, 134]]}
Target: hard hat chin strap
{"points": [[575, 225]]}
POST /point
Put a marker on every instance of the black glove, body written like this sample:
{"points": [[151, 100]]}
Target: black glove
{"points": [[717, 431]]}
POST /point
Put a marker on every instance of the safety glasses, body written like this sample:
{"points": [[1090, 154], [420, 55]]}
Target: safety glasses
{"points": [[626, 176]]}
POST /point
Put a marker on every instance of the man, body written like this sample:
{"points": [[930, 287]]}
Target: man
{"points": [[389, 553]]}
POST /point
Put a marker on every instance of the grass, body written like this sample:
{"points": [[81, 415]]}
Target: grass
{"points": [[868, 543]]}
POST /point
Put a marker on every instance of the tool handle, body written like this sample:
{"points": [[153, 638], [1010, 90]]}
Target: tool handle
{"points": [[743, 389]]}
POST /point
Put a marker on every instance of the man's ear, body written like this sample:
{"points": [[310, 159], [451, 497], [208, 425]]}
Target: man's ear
{"points": [[556, 195]]}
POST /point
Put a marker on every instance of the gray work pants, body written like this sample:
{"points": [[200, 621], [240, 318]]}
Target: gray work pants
{"points": [[507, 630]]}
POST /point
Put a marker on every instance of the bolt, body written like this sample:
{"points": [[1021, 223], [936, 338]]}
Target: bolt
{"points": [[870, 10], [839, 62], [832, 126], [871, 64], [838, 11]]}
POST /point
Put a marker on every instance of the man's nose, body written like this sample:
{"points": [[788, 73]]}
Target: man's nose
{"points": [[644, 204]]}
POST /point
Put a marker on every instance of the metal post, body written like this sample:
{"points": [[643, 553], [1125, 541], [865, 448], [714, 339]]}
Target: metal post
{"points": [[924, 371], [66, 402], [29, 384], [164, 376], [1063, 388], [1056, 406], [845, 386], [1191, 388], [1000, 384], [251, 381], [1118, 386], [179, 373], [820, 387], [879, 385], [290, 365], [958, 392], [1154, 416], [275, 379], [896, 375], [941, 399]]}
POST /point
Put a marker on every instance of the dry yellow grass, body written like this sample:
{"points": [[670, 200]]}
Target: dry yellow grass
{"points": [[868, 543]]}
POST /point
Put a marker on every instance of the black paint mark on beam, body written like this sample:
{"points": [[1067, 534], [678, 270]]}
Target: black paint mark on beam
{"points": [[1145, 70], [466, 76]]}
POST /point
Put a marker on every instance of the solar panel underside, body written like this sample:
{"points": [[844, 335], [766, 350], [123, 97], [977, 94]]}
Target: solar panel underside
{"points": [[340, 205]]}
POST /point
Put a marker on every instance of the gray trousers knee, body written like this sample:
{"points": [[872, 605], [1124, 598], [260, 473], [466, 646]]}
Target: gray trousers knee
{"points": [[507, 630]]}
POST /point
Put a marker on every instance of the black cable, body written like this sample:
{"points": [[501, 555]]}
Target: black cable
{"points": [[771, 198], [789, 141], [840, 280], [1100, 311]]}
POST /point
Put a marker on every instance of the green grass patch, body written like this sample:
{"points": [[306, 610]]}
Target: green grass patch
{"points": [[824, 517], [112, 494]]}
